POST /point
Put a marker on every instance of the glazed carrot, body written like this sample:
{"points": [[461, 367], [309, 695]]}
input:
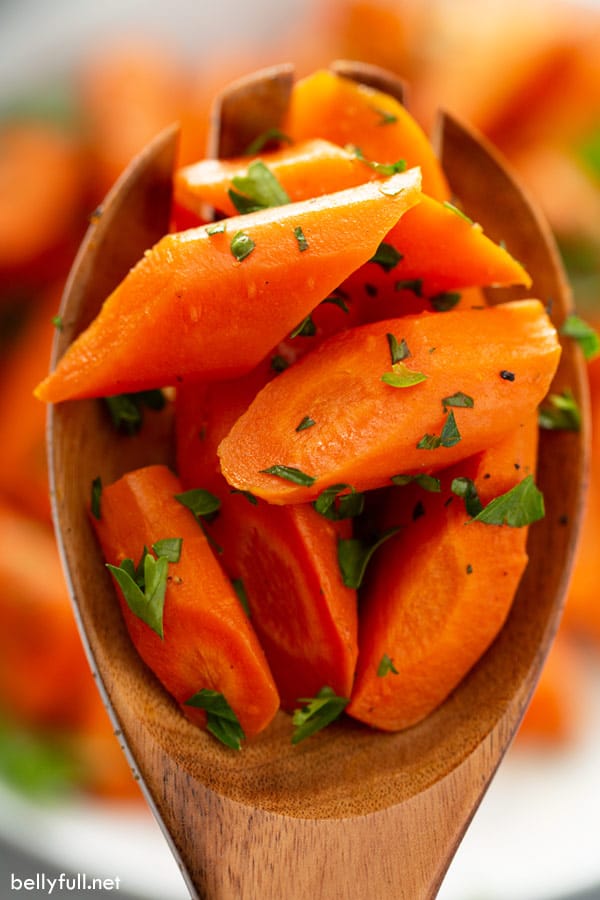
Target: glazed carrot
{"points": [[329, 106], [168, 322], [366, 428], [437, 593], [44, 675], [307, 169], [208, 642], [285, 557], [464, 256]]}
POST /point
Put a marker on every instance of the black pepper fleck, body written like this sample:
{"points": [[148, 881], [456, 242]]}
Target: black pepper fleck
{"points": [[506, 375]]}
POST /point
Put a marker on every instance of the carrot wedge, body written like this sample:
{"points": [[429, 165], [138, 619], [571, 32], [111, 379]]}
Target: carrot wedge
{"points": [[365, 428], [338, 109], [208, 642], [285, 557], [167, 321], [438, 592]]}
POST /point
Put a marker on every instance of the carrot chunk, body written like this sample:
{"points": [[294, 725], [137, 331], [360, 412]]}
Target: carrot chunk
{"points": [[329, 106], [437, 593], [378, 397], [167, 322], [208, 642]]}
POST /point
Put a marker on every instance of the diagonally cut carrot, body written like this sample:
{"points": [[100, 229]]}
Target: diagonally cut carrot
{"points": [[208, 641], [365, 429], [329, 106], [438, 592], [166, 322]]}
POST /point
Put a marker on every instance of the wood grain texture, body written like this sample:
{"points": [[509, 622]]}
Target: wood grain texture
{"points": [[349, 813]]}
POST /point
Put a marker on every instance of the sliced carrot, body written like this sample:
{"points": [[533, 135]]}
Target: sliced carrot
{"points": [[167, 322], [286, 557], [503, 358], [437, 593], [208, 641], [329, 106], [307, 169]]}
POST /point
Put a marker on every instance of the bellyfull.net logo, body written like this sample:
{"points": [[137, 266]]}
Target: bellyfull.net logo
{"points": [[47, 884]]}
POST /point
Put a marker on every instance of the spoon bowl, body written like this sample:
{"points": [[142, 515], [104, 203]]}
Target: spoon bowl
{"points": [[351, 812]]}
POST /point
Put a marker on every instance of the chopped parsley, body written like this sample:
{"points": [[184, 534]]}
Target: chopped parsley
{"points": [[354, 554], [290, 473], [271, 135], [200, 502], [445, 300], [386, 256], [458, 399], [401, 376], [216, 228], [410, 284], [238, 586], [330, 504], [127, 410], [221, 720], [398, 349], [466, 489], [386, 665], [300, 238], [560, 412], [458, 212], [576, 328], [144, 586], [306, 422], [385, 169], [57, 321], [241, 245], [427, 482], [306, 328], [385, 117], [259, 189], [520, 506], [318, 712], [449, 436], [279, 363]]}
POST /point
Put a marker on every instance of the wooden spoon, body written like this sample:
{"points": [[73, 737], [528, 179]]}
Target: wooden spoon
{"points": [[349, 813]]}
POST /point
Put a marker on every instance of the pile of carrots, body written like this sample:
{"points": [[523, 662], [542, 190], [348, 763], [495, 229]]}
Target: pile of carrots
{"points": [[405, 417], [541, 117]]}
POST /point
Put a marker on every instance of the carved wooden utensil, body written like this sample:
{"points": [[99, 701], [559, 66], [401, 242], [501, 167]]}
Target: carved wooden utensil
{"points": [[349, 813]]}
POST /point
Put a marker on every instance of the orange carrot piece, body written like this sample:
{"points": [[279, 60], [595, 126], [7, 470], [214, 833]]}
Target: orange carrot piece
{"points": [[286, 557], [208, 641], [329, 106], [310, 168], [437, 594], [365, 430], [168, 320]]}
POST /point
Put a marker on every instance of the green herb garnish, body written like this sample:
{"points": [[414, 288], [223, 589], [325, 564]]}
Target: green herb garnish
{"points": [[306, 422], [241, 245], [271, 135], [560, 412], [200, 502], [427, 482], [448, 437], [143, 587], [587, 337], [330, 504], [457, 211], [386, 256], [401, 376], [290, 473], [221, 720], [410, 284], [57, 322], [216, 228], [127, 410], [444, 301], [259, 189], [520, 506], [386, 665], [398, 349], [458, 399], [306, 328], [238, 586], [318, 712], [354, 554], [465, 488], [300, 238], [385, 118]]}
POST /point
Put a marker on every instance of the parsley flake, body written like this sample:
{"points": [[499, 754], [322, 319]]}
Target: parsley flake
{"points": [[401, 376], [354, 555], [241, 245], [560, 412], [290, 473], [449, 436], [271, 135], [306, 422], [445, 300], [238, 586], [427, 482], [127, 410], [458, 399], [318, 712], [458, 212], [385, 117], [410, 284], [216, 228], [330, 504], [386, 665], [398, 349], [300, 238], [57, 321], [221, 720], [576, 328], [259, 189], [306, 328], [143, 587], [387, 257], [200, 502], [520, 506], [466, 489]]}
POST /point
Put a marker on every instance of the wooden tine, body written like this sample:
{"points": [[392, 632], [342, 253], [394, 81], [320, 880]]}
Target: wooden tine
{"points": [[373, 76]]}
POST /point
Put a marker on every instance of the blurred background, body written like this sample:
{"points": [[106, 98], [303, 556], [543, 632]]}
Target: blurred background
{"points": [[82, 87]]}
